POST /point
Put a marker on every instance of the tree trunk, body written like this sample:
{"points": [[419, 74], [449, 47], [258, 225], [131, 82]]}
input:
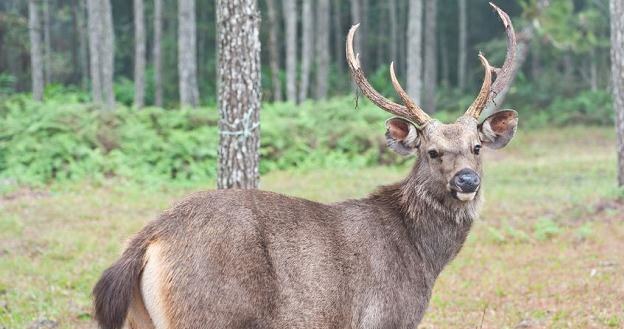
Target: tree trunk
{"points": [[108, 55], [36, 66], [338, 36], [430, 78], [356, 18], [617, 74], [290, 19], [394, 33], [463, 45], [83, 40], [139, 54], [445, 61], [322, 49], [157, 58], [274, 54], [593, 69], [414, 50], [238, 24], [95, 33], [187, 53], [47, 59], [307, 47]]}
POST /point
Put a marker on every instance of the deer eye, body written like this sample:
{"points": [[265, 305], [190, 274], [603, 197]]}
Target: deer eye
{"points": [[433, 154], [477, 149]]}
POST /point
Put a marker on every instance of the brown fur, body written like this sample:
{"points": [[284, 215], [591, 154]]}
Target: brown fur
{"points": [[254, 259]]}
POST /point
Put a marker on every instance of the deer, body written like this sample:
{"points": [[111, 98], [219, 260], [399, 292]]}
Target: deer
{"points": [[256, 259]]}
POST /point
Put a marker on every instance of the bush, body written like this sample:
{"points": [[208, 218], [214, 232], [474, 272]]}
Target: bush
{"points": [[63, 139]]}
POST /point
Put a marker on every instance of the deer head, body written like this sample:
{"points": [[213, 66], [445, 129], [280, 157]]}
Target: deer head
{"points": [[449, 154]]}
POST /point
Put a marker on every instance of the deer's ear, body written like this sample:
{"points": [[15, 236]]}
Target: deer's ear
{"points": [[498, 129], [402, 136]]}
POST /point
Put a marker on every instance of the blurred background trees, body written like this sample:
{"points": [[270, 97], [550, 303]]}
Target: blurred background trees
{"points": [[433, 43], [145, 53]]}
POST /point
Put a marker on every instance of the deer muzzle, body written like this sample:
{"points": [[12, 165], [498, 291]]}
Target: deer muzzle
{"points": [[465, 184]]}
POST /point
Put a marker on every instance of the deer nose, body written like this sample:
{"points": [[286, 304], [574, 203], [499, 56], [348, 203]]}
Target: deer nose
{"points": [[466, 180]]}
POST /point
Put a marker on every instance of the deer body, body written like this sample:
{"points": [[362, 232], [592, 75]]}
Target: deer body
{"points": [[271, 261], [253, 259]]}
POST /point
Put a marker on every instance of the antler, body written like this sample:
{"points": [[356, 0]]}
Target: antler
{"points": [[410, 111], [503, 75], [479, 103]]}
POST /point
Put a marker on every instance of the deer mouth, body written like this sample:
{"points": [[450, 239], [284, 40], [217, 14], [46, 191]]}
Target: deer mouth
{"points": [[463, 196]]}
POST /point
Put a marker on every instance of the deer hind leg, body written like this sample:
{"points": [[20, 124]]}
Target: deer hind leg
{"points": [[147, 310], [138, 318]]}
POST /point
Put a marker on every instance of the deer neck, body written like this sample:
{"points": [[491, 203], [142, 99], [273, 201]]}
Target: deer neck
{"points": [[437, 223]]}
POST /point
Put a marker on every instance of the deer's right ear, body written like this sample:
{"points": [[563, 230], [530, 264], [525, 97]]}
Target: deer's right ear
{"points": [[402, 136]]}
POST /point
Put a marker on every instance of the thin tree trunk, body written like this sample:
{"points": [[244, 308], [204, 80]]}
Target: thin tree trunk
{"points": [[463, 45], [187, 53], [238, 24], [394, 33], [617, 74], [274, 54], [356, 18], [339, 53], [322, 49], [430, 76], [445, 65], [158, 26], [307, 47], [593, 69], [290, 19], [47, 42], [83, 40], [95, 33], [36, 61], [139, 54], [108, 55], [414, 50]]}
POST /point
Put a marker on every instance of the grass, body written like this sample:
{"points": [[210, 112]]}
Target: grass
{"points": [[546, 253]]}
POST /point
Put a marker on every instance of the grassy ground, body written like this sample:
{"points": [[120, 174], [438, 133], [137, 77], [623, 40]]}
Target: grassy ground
{"points": [[547, 252]]}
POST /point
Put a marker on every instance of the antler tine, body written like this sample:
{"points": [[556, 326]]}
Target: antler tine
{"points": [[360, 80], [504, 74], [418, 114], [479, 103]]}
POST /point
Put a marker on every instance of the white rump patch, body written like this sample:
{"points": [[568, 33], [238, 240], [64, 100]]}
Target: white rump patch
{"points": [[152, 286]]}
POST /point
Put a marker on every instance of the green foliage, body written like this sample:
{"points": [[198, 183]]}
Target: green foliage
{"points": [[546, 228], [63, 139]]}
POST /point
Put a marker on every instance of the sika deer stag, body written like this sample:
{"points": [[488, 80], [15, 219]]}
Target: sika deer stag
{"points": [[253, 259]]}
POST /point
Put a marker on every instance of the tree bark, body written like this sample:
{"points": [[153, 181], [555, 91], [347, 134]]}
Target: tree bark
{"points": [[157, 57], [238, 24], [322, 49], [290, 19], [95, 33], [47, 59], [187, 53], [463, 45], [139, 54], [36, 61], [394, 33], [430, 78], [108, 55], [274, 54], [617, 74], [356, 18], [414, 50], [83, 40], [339, 53], [307, 47]]}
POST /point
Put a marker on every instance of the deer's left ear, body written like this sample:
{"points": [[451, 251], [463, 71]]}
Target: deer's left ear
{"points": [[402, 136], [498, 129]]}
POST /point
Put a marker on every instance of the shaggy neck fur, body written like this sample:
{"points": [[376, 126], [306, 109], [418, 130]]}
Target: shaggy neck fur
{"points": [[438, 224]]}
